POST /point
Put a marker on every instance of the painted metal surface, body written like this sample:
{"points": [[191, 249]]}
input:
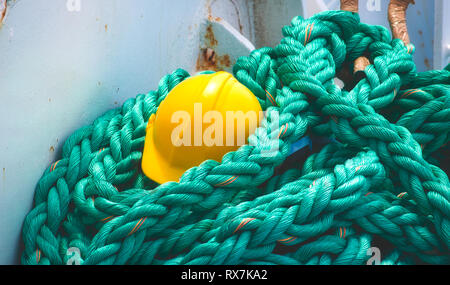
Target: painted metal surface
{"points": [[65, 62], [61, 67], [269, 18], [420, 19], [441, 36], [221, 45]]}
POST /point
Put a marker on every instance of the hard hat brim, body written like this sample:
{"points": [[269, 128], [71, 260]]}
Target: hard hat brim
{"points": [[155, 166]]}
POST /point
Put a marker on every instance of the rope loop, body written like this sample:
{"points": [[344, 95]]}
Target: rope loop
{"points": [[377, 176]]}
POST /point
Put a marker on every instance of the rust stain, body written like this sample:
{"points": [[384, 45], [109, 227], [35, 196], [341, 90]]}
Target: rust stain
{"points": [[216, 19], [52, 149], [224, 60], [106, 27], [209, 9], [427, 63], [209, 36], [206, 60], [420, 32], [3, 8], [210, 60], [238, 15]]}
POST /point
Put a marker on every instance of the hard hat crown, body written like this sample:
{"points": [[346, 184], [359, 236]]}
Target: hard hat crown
{"points": [[202, 118]]}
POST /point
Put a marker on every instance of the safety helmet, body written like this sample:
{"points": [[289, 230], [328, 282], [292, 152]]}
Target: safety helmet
{"points": [[203, 117]]}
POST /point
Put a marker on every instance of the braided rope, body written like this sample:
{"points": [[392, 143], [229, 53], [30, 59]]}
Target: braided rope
{"points": [[379, 183]]}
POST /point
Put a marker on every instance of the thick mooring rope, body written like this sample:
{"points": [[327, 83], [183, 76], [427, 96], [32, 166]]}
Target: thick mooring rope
{"points": [[378, 184]]}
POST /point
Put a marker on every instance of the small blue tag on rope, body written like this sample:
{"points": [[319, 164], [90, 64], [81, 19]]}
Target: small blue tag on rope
{"points": [[300, 144]]}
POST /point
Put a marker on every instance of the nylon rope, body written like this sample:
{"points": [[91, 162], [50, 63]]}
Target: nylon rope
{"points": [[379, 183]]}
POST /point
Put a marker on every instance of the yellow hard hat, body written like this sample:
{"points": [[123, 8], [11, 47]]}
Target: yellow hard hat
{"points": [[203, 117]]}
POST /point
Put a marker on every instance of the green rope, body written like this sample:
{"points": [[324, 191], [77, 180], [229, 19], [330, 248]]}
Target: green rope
{"points": [[377, 185]]}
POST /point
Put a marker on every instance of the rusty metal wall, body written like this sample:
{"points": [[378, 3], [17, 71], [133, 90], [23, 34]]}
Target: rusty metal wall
{"points": [[61, 66]]}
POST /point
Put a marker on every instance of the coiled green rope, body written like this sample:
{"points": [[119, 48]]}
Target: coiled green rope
{"points": [[379, 184]]}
